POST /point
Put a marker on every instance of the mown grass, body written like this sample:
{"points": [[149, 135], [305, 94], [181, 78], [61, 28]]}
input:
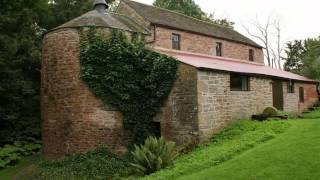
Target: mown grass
{"points": [[240, 137], [293, 155]]}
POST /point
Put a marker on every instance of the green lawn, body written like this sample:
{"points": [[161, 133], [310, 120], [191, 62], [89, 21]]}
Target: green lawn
{"points": [[312, 115], [295, 154]]}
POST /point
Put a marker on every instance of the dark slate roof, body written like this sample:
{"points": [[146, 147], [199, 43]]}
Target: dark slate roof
{"points": [[110, 20], [172, 19]]}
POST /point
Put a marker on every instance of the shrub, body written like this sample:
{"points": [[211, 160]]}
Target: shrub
{"points": [[270, 111], [154, 155], [97, 164], [10, 154]]}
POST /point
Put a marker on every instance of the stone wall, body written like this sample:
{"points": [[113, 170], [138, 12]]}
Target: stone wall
{"points": [[178, 117], [310, 95], [191, 42], [219, 106], [292, 102], [74, 120], [244, 104], [196, 43]]}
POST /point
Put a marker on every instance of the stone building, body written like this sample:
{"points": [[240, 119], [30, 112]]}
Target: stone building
{"points": [[221, 79]]}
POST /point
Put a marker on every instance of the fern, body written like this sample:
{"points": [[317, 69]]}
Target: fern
{"points": [[154, 155]]}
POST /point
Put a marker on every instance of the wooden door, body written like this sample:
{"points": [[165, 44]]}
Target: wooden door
{"points": [[277, 91], [301, 94]]}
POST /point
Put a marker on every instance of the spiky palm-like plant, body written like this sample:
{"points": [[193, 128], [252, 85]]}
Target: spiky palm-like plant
{"points": [[154, 155]]}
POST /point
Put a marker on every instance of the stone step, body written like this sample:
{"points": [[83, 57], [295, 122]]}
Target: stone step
{"points": [[306, 112]]}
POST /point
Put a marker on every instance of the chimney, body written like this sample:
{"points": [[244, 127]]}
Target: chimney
{"points": [[100, 6]]}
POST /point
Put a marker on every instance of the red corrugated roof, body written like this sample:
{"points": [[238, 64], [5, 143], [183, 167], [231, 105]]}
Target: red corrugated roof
{"points": [[231, 65]]}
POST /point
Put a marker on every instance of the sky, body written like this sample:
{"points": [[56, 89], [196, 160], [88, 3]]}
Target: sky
{"points": [[299, 19]]}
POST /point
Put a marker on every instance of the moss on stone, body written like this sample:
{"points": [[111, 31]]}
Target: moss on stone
{"points": [[270, 111]]}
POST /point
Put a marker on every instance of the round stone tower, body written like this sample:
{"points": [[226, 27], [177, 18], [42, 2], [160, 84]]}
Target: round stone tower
{"points": [[73, 119]]}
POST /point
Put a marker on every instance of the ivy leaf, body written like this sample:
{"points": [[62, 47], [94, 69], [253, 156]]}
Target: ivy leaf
{"points": [[128, 76]]}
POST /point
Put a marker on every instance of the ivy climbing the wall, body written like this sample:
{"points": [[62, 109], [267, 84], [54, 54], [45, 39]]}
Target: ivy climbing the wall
{"points": [[128, 76]]}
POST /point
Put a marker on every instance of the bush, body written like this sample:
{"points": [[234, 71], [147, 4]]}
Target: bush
{"points": [[11, 154], [154, 155], [97, 164], [270, 111]]}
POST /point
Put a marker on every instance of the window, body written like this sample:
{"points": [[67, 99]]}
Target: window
{"points": [[176, 41], [301, 94], [239, 82], [290, 87], [218, 49], [251, 55]]}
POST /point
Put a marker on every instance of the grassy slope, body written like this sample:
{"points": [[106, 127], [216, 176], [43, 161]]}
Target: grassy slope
{"points": [[293, 155], [234, 154], [240, 137]]}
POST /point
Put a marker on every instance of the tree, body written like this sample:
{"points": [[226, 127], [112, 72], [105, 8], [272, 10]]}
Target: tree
{"points": [[223, 22], [303, 57], [187, 7], [22, 25], [311, 58], [61, 11], [20, 70], [190, 8], [266, 34], [294, 51]]}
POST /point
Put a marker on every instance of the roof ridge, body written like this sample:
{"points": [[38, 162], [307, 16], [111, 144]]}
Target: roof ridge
{"points": [[178, 13]]}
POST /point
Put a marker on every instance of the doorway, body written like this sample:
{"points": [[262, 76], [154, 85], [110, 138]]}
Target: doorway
{"points": [[277, 91]]}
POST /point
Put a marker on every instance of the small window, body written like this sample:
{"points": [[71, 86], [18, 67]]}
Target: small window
{"points": [[301, 94], [251, 55], [176, 41], [239, 82], [290, 87], [218, 49]]}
